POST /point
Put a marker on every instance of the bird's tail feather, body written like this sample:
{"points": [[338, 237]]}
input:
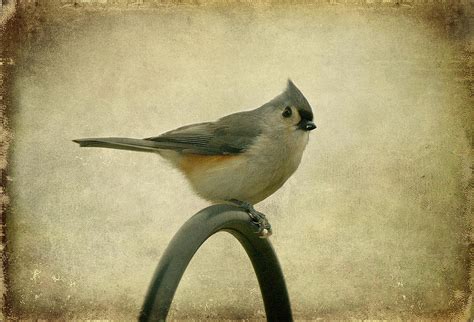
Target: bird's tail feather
{"points": [[121, 144]]}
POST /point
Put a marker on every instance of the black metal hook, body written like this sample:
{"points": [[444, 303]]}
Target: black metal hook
{"points": [[187, 241]]}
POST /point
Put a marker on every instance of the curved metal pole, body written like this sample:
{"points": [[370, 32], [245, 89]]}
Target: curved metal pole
{"points": [[187, 241]]}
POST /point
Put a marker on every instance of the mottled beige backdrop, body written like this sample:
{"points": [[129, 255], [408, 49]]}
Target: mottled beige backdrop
{"points": [[374, 224]]}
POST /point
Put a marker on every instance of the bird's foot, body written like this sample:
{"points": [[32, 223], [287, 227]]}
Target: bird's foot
{"points": [[259, 219]]}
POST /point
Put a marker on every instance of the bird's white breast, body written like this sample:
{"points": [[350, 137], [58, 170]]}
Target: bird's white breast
{"points": [[253, 175]]}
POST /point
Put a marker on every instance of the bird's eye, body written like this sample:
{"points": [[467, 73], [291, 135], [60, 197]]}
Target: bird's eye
{"points": [[286, 112]]}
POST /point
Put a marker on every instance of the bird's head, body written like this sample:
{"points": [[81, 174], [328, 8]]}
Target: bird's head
{"points": [[292, 109]]}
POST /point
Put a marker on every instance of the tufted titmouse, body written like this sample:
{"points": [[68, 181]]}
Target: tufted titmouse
{"points": [[241, 158]]}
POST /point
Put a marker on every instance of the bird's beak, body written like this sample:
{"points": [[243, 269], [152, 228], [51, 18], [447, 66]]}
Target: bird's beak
{"points": [[306, 125]]}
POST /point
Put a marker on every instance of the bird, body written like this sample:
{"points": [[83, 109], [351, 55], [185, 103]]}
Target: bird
{"points": [[241, 158]]}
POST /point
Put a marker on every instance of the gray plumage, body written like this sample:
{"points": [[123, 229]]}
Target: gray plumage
{"points": [[229, 135]]}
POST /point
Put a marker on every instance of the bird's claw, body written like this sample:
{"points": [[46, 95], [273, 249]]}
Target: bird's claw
{"points": [[261, 221], [257, 218]]}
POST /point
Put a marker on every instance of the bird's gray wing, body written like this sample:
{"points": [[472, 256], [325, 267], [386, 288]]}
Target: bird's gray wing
{"points": [[232, 134]]}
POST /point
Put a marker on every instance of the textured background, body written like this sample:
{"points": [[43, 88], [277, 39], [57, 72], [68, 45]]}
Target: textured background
{"points": [[373, 224]]}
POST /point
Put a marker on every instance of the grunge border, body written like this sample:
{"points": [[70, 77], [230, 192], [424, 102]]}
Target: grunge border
{"points": [[22, 21]]}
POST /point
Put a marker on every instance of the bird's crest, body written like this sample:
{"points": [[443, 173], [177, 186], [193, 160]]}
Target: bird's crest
{"points": [[297, 98]]}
